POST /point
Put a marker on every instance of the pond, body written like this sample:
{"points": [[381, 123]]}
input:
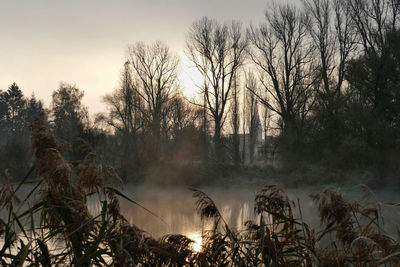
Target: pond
{"points": [[176, 208]]}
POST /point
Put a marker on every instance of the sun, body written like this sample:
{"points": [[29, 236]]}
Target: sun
{"points": [[190, 79]]}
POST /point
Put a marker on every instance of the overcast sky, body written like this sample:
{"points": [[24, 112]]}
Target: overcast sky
{"points": [[83, 42]]}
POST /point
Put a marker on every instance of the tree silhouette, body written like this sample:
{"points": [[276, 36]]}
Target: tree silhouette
{"points": [[217, 51], [70, 117]]}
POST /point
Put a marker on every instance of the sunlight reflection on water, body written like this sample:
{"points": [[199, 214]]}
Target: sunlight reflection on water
{"points": [[198, 241], [177, 207]]}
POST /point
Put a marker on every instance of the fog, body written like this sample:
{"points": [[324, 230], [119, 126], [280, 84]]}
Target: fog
{"points": [[307, 98], [177, 213]]}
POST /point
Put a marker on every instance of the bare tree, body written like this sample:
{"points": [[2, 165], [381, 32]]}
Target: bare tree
{"points": [[183, 114], [125, 117], [217, 52], [235, 120], [333, 36], [376, 22], [154, 68], [244, 123], [252, 116], [124, 106], [283, 54], [205, 129]]}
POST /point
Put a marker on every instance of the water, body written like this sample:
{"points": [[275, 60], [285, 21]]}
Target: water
{"points": [[177, 208]]}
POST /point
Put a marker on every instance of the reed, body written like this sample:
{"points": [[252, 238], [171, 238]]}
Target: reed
{"points": [[52, 225]]}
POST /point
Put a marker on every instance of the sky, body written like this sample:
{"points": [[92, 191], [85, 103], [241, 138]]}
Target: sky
{"points": [[84, 42]]}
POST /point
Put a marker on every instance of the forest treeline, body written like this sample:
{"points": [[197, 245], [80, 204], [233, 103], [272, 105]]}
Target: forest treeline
{"points": [[318, 81]]}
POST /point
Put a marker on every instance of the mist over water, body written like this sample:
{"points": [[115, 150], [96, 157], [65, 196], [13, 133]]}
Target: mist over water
{"points": [[176, 210], [305, 98], [176, 207]]}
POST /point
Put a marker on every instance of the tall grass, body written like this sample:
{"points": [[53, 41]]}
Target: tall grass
{"points": [[52, 225]]}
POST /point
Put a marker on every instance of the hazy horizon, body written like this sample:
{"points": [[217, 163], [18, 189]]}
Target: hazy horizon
{"points": [[84, 43]]}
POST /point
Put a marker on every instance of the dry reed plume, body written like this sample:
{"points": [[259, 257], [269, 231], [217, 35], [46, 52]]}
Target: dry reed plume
{"points": [[55, 214]]}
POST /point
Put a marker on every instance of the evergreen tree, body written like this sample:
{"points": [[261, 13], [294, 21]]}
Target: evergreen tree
{"points": [[14, 106]]}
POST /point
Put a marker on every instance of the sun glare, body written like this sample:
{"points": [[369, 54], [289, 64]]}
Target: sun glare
{"points": [[190, 79], [198, 240]]}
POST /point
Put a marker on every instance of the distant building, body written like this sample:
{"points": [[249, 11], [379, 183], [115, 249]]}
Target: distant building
{"points": [[258, 149], [244, 147]]}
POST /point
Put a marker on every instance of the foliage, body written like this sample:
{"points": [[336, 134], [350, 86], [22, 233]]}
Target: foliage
{"points": [[70, 117], [324, 74], [53, 226], [16, 112]]}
